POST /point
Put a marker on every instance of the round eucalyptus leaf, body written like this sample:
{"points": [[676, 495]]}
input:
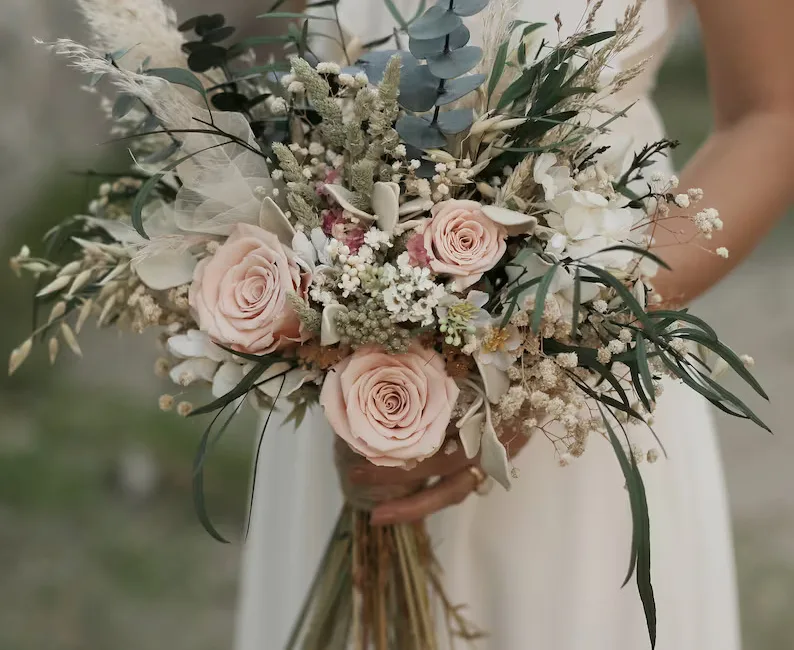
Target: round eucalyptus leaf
{"points": [[218, 35], [204, 58], [230, 101], [374, 63], [418, 89], [437, 21], [191, 23], [455, 121], [418, 132], [454, 64], [469, 7], [192, 46], [421, 49], [207, 23], [457, 88]]}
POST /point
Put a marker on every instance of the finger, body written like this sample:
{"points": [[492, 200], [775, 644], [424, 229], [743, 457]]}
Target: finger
{"points": [[447, 492], [363, 472]]}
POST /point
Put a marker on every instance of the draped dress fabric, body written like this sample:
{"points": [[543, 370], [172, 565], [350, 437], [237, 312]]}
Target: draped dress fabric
{"points": [[540, 567]]}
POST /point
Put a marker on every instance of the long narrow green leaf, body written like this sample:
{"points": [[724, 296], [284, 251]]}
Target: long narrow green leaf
{"points": [[497, 69], [642, 363], [396, 14], [628, 298], [640, 562], [724, 352], [198, 485], [420, 10], [577, 304], [636, 380], [540, 297], [593, 39], [238, 391], [639, 251], [644, 584], [291, 14], [684, 316]]}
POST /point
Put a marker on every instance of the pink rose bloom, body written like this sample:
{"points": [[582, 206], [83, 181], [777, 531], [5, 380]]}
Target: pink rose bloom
{"points": [[462, 242], [392, 409], [240, 294]]}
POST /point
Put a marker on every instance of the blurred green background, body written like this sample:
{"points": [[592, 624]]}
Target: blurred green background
{"points": [[99, 546]]}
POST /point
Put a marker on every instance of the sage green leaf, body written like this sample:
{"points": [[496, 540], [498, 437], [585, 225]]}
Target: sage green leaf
{"points": [[436, 21], [123, 105], [455, 121], [179, 76], [422, 48], [449, 65], [418, 88], [457, 88], [396, 14], [469, 7], [418, 132], [163, 154]]}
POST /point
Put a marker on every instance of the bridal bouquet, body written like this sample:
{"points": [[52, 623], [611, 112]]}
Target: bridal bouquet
{"points": [[441, 245]]}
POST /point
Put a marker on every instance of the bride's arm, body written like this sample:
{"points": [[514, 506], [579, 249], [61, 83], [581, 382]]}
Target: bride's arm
{"points": [[746, 167]]}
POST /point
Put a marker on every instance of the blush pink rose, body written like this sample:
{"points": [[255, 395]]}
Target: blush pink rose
{"points": [[392, 409], [239, 295], [462, 242]]}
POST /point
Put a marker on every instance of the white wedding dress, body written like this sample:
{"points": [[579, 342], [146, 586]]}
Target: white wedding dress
{"points": [[540, 567]]}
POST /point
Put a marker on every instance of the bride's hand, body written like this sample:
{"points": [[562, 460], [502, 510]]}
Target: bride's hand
{"points": [[458, 477]]}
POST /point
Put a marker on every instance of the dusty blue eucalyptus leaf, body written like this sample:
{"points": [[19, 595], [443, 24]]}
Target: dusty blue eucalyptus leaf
{"points": [[418, 88], [421, 49], [449, 65], [123, 105], [469, 7], [455, 121], [374, 63], [436, 22], [457, 88], [418, 132]]}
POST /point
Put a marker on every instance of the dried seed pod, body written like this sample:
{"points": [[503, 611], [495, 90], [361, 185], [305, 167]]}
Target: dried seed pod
{"points": [[71, 339], [58, 310], [19, 355], [57, 284], [53, 347]]}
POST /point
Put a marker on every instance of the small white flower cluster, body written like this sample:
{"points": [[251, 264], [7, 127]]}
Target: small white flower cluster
{"points": [[409, 292], [707, 221]]}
